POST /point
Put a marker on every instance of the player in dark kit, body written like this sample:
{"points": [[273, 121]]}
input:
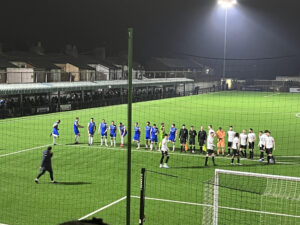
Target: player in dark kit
{"points": [[201, 138], [183, 136], [46, 165], [192, 141]]}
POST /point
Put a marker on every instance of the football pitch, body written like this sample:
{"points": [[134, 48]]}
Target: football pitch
{"points": [[91, 180]]}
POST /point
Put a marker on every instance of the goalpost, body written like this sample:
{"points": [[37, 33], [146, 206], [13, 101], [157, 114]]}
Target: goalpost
{"points": [[251, 198]]}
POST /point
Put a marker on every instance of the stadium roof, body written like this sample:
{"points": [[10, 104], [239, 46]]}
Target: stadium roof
{"points": [[34, 88]]}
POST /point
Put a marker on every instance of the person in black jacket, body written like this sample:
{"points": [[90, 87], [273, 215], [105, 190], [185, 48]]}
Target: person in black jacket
{"points": [[183, 135], [192, 135], [46, 165], [201, 138]]}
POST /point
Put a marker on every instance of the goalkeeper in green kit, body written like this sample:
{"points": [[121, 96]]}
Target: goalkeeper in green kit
{"points": [[162, 133]]}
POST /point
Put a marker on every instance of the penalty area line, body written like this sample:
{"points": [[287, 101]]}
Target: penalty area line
{"points": [[24, 150], [221, 207], [104, 207]]}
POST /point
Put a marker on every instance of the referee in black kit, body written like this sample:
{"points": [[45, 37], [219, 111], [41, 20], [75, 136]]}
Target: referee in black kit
{"points": [[46, 165], [201, 138]]}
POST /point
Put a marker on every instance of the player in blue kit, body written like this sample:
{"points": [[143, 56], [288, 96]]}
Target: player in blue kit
{"points": [[123, 132], [154, 132], [91, 130], [103, 132], [55, 133], [147, 134], [113, 133], [76, 127], [137, 135], [173, 135]]}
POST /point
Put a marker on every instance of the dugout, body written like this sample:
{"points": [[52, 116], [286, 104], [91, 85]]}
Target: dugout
{"points": [[37, 98]]}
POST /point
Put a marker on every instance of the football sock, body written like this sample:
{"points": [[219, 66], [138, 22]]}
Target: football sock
{"points": [[232, 160], [181, 148], [238, 159], [105, 141], [206, 159], [162, 159], [51, 175], [138, 144], [151, 146], [228, 151], [173, 147], [91, 140], [245, 153], [268, 158], [213, 159], [101, 141], [261, 155], [111, 142], [54, 140], [114, 142], [167, 159]]}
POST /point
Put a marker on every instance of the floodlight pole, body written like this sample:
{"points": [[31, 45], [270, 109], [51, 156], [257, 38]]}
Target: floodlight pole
{"points": [[129, 120], [225, 44]]}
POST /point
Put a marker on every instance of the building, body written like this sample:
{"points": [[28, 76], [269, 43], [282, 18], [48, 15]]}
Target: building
{"points": [[4, 66]]}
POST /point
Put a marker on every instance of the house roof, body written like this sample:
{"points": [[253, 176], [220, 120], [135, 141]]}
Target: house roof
{"points": [[4, 63], [37, 61], [123, 61], [87, 59], [63, 59]]}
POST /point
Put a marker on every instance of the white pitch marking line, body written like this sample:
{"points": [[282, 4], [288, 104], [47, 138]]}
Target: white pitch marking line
{"points": [[298, 115], [3, 224], [25, 150], [222, 207], [158, 152], [266, 96], [105, 207]]}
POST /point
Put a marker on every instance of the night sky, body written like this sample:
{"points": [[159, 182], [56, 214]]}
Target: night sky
{"points": [[256, 28]]}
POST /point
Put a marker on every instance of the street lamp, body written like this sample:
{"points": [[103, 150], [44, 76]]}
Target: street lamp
{"points": [[226, 4]]}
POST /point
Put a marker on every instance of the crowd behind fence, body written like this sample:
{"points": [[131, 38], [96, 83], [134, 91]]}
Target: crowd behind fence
{"points": [[13, 106]]}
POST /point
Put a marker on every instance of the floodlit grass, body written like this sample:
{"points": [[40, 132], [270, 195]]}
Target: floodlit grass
{"points": [[90, 177]]}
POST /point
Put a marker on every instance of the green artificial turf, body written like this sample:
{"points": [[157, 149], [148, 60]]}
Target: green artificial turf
{"points": [[90, 177]]}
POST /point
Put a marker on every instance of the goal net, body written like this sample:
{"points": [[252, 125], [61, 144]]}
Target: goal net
{"points": [[251, 198]]}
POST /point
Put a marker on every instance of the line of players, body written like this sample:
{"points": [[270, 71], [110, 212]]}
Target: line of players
{"points": [[237, 142]]}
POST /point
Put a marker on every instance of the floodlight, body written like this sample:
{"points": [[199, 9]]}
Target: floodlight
{"points": [[227, 3]]}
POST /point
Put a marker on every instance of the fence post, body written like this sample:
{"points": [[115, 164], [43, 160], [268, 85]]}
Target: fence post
{"points": [[130, 52]]}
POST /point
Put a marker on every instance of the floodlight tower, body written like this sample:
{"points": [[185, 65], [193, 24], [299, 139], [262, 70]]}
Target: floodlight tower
{"points": [[226, 4]]}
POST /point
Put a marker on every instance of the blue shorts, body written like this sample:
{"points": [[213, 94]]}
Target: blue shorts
{"points": [[172, 139], [122, 134], [136, 137], [55, 132], [76, 132], [147, 137], [113, 135], [104, 134], [154, 139], [92, 134]]}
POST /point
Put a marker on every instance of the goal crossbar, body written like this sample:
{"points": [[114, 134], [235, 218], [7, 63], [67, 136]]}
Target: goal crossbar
{"points": [[240, 173]]}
